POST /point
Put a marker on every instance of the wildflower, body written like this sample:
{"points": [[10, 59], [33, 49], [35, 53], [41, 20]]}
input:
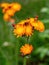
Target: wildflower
{"points": [[26, 49], [28, 30], [10, 12], [27, 27], [41, 26], [19, 30], [6, 17], [4, 5], [10, 9], [33, 21], [36, 24], [16, 6]]}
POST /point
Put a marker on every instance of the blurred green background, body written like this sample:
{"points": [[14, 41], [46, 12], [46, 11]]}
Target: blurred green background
{"points": [[40, 41]]}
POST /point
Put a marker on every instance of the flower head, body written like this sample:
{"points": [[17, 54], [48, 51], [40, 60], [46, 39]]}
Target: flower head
{"points": [[16, 6], [26, 49], [6, 17], [36, 24], [19, 30], [4, 5], [28, 27], [41, 26], [10, 12], [28, 30], [10, 9]]}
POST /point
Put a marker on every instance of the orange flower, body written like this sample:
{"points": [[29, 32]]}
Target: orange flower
{"points": [[41, 26], [26, 49], [16, 7], [31, 20], [36, 24], [27, 27], [10, 9], [4, 5], [28, 30], [6, 17], [10, 12], [19, 30]]}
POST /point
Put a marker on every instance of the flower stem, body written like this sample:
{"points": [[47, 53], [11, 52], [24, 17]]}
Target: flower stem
{"points": [[16, 52], [27, 39], [24, 61]]}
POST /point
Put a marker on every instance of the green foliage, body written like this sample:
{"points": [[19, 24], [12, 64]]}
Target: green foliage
{"points": [[42, 51]]}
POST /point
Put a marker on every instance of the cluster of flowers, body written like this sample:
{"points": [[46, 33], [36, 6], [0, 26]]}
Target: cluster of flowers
{"points": [[27, 27], [9, 10], [24, 27]]}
